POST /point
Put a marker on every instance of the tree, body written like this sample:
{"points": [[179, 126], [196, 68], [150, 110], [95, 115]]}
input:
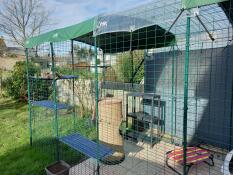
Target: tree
{"points": [[21, 19], [16, 84]]}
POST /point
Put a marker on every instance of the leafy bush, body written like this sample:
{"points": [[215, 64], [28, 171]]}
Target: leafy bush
{"points": [[83, 73], [124, 67], [16, 84], [41, 89], [65, 70]]}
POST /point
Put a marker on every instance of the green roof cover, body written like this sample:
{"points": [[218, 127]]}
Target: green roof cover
{"points": [[116, 33], [112, 42], [188, 4], [84, 30], [62, 34]]}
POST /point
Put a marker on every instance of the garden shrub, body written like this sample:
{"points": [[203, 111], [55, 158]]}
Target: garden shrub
{"points": [[124, 67], [16, 84]]}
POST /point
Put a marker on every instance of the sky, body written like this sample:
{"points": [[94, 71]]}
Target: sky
{"points": [[69, 12]]}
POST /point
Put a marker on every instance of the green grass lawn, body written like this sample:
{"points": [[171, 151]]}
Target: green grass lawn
{"points": [[17, 157]]}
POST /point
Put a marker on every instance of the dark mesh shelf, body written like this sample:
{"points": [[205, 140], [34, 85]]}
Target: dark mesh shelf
{"points": [[136, 136], [67, 77], [64, 77], [143, 95], [142, 116]]}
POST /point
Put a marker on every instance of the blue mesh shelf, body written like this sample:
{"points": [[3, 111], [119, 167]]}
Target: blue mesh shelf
{"points": [[64, 77], [86, 146], [49, 104]]}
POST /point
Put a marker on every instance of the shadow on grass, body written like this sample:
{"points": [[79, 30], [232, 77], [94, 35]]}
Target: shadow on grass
{"points": [[24, 161], [18, 157], [11, 104], [27, 160]]}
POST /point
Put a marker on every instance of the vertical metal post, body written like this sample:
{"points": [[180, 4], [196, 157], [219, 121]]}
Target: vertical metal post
{"points": [[55, 101], [175, 97], [173, 82], [29, 97], [131, 58], [163, 83], [126, 111], [159, 126], [104, 69], [73, 81], [135, 122], [227, 73], [231, 117], [96, 102], [151, 120], [186, 75]]}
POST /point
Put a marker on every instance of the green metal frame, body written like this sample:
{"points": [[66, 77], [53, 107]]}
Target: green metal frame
{"points": [[172, 92], [73, 84], [186, 76], [131, 58], [29, 102], [55, 102], [97, 102], [173, 79]]}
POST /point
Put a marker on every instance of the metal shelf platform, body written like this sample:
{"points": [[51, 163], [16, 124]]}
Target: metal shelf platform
{"points": [[86, 146], [63, 77], [145, 117], [50, 104]]}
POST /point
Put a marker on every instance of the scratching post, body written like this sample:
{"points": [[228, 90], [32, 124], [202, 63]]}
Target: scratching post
{"points": [[110, 116]]}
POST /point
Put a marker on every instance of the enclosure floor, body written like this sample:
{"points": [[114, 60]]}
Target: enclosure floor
{"points": [[142, 160]]}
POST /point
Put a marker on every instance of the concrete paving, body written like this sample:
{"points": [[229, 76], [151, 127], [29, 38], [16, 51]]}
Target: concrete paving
{"points": [[141, 159]]}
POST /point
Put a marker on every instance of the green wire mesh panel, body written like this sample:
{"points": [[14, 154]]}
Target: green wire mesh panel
{"points": [[58, 108], [141, 35], [41, 118], [152, 84]]}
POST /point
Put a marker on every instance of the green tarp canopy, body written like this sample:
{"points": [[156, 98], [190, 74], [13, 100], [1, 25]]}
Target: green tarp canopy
{"points": [[62, 34], [144, 38], [188, 4]]}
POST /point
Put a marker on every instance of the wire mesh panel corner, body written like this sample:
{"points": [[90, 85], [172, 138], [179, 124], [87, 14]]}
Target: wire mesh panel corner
{"points": [[147, 91]]}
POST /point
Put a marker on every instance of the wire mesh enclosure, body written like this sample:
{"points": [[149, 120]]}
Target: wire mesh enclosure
{"points": [[144, 91]]}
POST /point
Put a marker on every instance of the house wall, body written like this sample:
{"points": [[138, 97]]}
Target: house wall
{"points": [[210, 92]]}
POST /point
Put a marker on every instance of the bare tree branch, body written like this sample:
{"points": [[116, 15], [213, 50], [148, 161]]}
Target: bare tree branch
{"points": [[21, 19]]}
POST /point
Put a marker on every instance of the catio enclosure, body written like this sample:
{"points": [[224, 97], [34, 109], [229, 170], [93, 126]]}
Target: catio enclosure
{"points": [[144, 91]]}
